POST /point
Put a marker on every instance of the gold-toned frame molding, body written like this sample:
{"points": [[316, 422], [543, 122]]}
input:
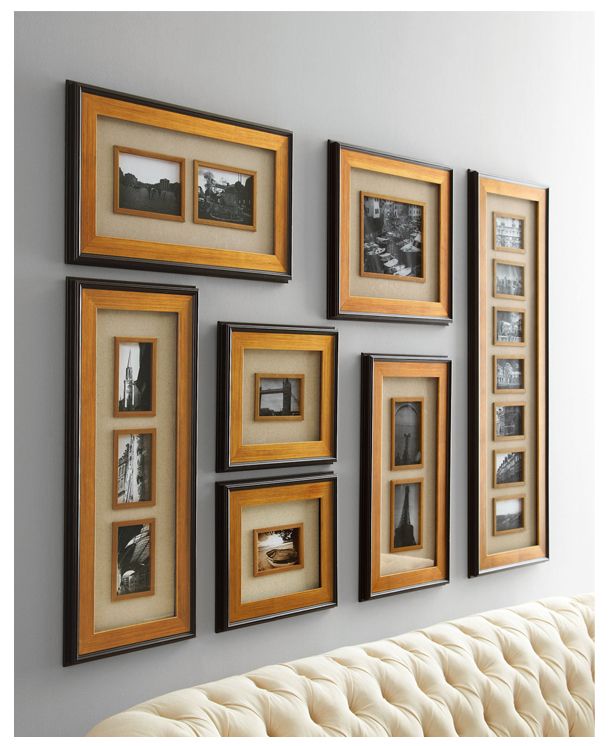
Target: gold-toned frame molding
{"points": [[222, 223], [420, 512], [152, 431]]}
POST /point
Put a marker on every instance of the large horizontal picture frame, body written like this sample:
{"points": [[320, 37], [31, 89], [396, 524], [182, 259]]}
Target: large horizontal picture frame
{"points": [[88, 104], [343, 159], [235, 341], [232, 497], [90, 445], [490, 198], [374, 473]]}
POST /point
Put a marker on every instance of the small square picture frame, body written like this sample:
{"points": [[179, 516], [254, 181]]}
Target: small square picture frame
{"points": [[498, 452], [498, 310], [513, 436], [496, 236], [498, 389], [508, 296], [496, 514], [259, 393], [281, 563]]}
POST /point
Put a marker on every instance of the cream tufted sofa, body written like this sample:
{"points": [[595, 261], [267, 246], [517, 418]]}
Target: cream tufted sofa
{"points": [[523, 671]]}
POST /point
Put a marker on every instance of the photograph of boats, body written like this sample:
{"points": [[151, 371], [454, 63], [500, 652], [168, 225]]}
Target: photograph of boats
{"points": [[509, 514], [392, 231], [278, 548]]}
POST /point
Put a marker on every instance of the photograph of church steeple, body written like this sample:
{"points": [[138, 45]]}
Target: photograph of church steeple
{"points": [[405, 515], [407, 433], [135, 365]]}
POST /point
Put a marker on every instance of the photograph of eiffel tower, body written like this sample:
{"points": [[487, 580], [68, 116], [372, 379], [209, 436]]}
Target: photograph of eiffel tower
{"points": [[134, 378], [406, 515]]}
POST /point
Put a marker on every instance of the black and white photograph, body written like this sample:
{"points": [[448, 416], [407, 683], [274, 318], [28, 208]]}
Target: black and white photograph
{"points": [[225, 196], [509, 514], [392, 238], [509, 467], [509, 280], [508, 231], [133, 558], [407, 425], [278, 548], [406, 516], [510, 326], [134, 465], [134, 378], [510, 374], [510, 420], [279, 396], [148, 184]]}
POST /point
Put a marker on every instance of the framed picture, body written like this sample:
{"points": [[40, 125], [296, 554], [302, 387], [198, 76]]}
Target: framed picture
{"points": [[389, 237], [135, 468], [509, 420], [130, 492], [148, 185], [130, 164], [508, 373], [508, 515], [404, 522], [277, 396], [276, 552]]}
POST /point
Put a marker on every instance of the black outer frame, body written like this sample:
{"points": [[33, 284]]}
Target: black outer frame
{"points": [[367, 363], [223, 394], [473, 376], [223, 490], [333, 240], [74, 92], [74, 287]]}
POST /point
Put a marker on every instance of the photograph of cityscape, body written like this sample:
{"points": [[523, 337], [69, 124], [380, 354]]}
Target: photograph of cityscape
{"points": [[407, 435], [508, 232], [134, 361], [391, 238], [510, 326], [510, 373], [279, 396], [225, 196], [278, 548], [509, 420], [509, 280], [134, 454], [406, 514], [509, 514], [509, 467], [148, 184], [133, 558]]}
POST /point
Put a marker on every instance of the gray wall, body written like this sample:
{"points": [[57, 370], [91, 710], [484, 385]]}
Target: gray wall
{"points": [[507, 94]]}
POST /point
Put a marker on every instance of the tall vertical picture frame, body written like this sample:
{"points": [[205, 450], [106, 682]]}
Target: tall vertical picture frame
{"points": [[508, 373]]}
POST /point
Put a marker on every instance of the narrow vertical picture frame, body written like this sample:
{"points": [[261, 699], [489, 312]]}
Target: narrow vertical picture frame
{"points": [[130, 492], [508, 229]]}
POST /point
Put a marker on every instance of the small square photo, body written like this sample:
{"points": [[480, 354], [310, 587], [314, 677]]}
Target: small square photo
{"points": [[509, 421], [509, 232], [279, 396], [509, 374], [509, 515], [509, 468], [278, 548], [509, 326]]}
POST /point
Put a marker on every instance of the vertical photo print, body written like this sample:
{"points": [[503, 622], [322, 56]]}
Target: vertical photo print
{"points": [[508, 515], [406, 515], [135, 363], [134, 468], [407, 433], [278, 548], [224, 197], [392, 238], [133, 558]]}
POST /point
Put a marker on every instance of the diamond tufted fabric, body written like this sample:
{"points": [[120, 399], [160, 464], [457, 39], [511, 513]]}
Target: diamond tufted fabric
{"points": [[522, 671]]}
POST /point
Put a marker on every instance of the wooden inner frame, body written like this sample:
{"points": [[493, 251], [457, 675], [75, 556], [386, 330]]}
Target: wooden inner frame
{"points": [[496, 215], [507, 309], [92, 301], [438, 371], [118, 149], [423, 237], [118, 341], [242, 453], [393, 403], [495, 407], [507, 296], [536, 348], [348, 303], [502, 485], [94, 106], [222, 223], [241, 498], [503, 389], [523, 526], [153, 468], [115, 552], [300, 549], [420, 510], [258, 377]]}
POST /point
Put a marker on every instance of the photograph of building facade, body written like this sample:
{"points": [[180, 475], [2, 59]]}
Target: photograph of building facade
{"points": [[509, 232], [510, 326], [510, 420], [134, 468], [133, 561], [509, 373], [392, 237], [510, 467]]}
